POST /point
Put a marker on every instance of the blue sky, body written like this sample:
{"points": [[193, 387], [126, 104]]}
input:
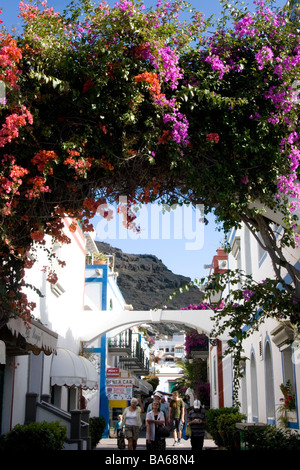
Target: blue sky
{"points": [[189, 244], [11, 7]]}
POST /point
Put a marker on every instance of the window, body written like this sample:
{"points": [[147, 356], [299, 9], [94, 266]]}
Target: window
{"points": [[254, 394], [171, 386], [288, 366], [56, 396], [269, 384]]}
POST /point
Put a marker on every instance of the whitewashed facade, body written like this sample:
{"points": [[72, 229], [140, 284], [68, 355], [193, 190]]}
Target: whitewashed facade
{"points": [[271, 355], [60, 307], [50, 361]]}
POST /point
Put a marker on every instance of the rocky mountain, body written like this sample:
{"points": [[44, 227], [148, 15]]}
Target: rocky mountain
{"points": [[145, 282]]}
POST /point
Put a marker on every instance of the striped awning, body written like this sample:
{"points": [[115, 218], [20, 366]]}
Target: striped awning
{"points": [[72, 370]]}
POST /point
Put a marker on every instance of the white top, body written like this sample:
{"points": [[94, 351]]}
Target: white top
{"points": [[131, 418], [160, 417]]}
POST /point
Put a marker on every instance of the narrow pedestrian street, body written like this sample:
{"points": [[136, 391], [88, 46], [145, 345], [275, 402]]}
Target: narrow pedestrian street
{"points": [[110, 444]]}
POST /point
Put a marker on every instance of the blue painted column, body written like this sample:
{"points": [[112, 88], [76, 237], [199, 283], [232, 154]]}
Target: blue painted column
{"points": [[104, 405], [104, 409]]}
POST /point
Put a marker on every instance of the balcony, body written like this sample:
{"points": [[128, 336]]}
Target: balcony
{"points": [[136, 363], [121, 344]]}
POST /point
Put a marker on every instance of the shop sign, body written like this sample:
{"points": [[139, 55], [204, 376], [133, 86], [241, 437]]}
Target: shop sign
{"points": [[112, 372], [119, 392]]}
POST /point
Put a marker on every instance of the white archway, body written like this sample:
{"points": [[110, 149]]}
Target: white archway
{"points": [[97, 323]]}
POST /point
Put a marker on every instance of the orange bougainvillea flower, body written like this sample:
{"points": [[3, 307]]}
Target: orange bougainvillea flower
{"points": [[106, 164], [165, 137], [37, 235], [43, 158], [153, 81]]}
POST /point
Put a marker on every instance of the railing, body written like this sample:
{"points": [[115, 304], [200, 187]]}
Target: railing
{"points": [[137, 361], [76, 422], [122, 341]]}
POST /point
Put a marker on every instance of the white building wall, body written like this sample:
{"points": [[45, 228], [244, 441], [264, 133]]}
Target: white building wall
{"points": [[61, 310], [259, 347]]}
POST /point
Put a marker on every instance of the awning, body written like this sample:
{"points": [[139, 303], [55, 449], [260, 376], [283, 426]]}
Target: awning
{"points": [[145, 387], [36, 336], [72, 370]]}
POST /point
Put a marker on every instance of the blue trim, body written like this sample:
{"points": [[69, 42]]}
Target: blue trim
{"points": [[96, 266], [103, 410], [114, 287], [295, 425], [292, 425], [262, 259], [271, 421], [230, 237], [103, 279], [104, 289], [93, 350]]}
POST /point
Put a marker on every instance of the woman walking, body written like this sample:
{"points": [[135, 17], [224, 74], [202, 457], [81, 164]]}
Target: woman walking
{"points": [[132, 420], [155, 418]]}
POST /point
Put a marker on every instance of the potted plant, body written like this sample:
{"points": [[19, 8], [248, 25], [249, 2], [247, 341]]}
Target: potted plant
{"points": [[99, 258], [288, 406]]}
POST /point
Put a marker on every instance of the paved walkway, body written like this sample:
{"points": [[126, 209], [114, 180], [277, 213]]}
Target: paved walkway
{"points": [[111, 444]]}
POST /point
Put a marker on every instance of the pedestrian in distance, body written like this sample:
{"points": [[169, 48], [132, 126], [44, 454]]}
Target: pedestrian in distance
{"points": [[158, 397], [154, 419], [197, 419], [118, 426], [164, 405], [132, 421], [176, 416]]}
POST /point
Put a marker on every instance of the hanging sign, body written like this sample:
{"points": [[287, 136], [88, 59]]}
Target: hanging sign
{"points": [[120, 392], [112, 372]]}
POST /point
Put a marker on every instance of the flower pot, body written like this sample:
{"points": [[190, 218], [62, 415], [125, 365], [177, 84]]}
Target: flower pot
{"points": [[291, 416]]}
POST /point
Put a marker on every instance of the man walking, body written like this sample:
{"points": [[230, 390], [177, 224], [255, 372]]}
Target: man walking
{"points": [[176, 416], [197, 420]]}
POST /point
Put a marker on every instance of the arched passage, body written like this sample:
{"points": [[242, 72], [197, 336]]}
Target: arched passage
{"points": [[99, 322]]}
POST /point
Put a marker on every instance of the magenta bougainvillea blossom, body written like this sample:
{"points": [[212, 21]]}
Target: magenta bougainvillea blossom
{"points": [[105, 101], [195, 342]]}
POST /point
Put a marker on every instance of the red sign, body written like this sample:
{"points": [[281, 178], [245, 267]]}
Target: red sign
{"points": [[112, 372]]}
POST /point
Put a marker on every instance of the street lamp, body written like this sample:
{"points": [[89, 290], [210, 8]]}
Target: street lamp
{"points": [[214, 295]]}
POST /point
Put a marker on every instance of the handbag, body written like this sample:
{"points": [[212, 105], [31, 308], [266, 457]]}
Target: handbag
{"points": [[188, 431], [162, 431], [184, 436], [121, 440]]}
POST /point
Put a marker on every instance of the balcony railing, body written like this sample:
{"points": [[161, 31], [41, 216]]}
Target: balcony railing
{"points": [[121, 345], [137, 362]]}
